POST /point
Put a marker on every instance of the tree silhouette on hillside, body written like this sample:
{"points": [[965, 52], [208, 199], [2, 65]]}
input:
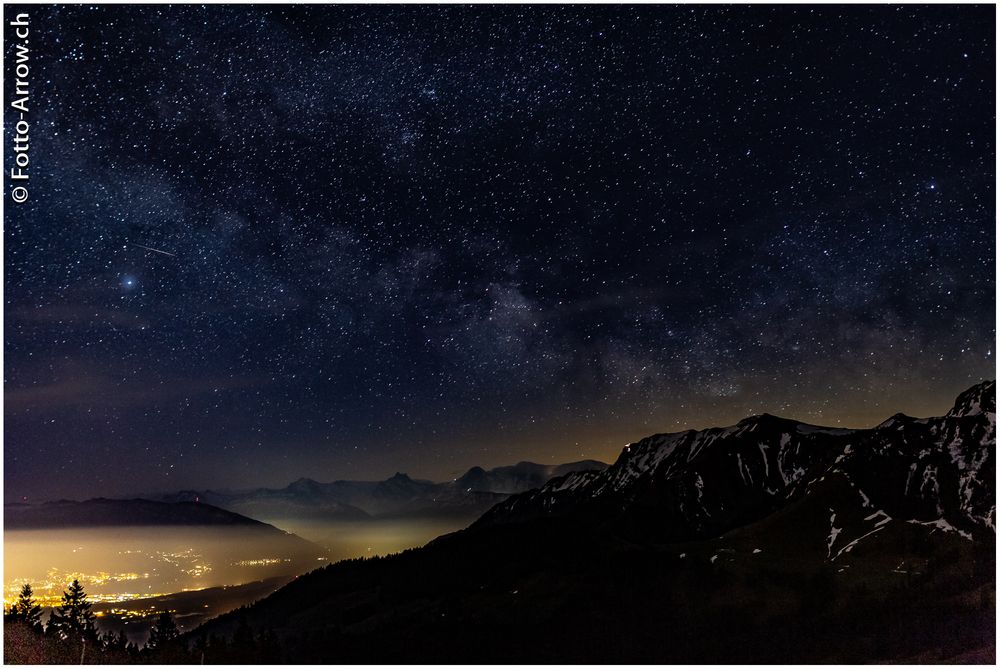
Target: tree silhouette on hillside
{"points": [[26, 609], [73, 619], [163, 632]]}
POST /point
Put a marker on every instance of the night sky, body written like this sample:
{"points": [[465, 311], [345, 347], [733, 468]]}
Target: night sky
{"points": [[421, 239]]}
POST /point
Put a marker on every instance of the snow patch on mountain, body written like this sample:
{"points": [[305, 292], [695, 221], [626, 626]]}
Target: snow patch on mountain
{"points": [[834, 532], [943, 525]]}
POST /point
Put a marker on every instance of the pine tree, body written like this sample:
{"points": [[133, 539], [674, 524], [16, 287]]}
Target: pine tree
{"points": [[27, 609], [114, 642], [163, 632], [73, 618]]}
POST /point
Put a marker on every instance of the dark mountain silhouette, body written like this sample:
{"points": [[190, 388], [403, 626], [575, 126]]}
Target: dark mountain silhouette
{"points": [[101, 512], [98, 513], [398, 496], [768, 541]]}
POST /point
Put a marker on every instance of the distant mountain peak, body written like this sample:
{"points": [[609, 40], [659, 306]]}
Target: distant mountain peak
{"points": [[304, 481], [765, 419], [895, 419]]}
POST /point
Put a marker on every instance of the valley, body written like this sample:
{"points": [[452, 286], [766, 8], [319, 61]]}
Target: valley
{"points": [[137, 558]]}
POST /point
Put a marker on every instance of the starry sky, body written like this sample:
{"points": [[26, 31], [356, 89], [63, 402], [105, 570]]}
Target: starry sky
{"points": [[344, 241]]}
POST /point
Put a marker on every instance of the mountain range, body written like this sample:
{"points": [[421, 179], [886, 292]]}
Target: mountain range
{"points": [[700, 484], [399, 496], [767, 541]]}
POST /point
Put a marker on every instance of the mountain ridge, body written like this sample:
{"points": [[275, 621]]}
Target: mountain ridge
{"points": [[107, 512], [398, 496], [772, 457]]}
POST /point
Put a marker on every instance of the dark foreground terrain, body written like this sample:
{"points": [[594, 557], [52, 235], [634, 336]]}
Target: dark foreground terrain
{"points": [[544, 596]]}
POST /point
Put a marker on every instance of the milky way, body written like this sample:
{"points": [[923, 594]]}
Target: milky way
{"points": [[340, 242]]}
